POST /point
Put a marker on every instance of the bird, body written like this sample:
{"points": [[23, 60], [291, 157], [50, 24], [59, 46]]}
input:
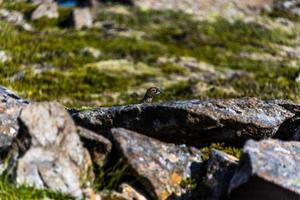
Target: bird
{"points": [[150, 94]]}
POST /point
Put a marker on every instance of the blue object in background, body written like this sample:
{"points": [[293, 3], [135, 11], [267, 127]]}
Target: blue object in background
{"points": [[67, 3]]}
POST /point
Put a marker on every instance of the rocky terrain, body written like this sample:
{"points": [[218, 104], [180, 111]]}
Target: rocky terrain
{"points": [[225, 127]]}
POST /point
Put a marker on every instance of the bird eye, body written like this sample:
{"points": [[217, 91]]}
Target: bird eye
{"points": [[153, 90]]}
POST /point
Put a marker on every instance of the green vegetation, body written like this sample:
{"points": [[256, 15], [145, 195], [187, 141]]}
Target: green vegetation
{"points": [[142, 38], [222, 147], [9, 191]]}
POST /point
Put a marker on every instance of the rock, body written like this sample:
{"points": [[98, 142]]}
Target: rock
{"points": [[82, 18], [194, 122], [10, 108], [15, 18], [47, 9], [130, 193], [163, 166], [90, 51], [126, 193], [269, 169], [204, 8], [4, 57], [220, 169], [52, 155], [289, 6], [35, 69], [99, 147]]}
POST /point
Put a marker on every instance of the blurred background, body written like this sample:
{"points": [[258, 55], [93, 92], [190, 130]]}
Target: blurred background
{"points": [[87, 53]]}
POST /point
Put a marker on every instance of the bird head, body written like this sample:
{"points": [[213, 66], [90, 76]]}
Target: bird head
{"points": [[150, 93], [153, 91]]}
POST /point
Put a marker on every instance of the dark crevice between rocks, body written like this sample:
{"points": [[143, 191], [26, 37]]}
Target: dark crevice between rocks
{"points": [[256, 188], [290, 129]]}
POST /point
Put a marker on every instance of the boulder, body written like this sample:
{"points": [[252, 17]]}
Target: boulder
{"points": [[47, 9], [51, 154], [161, 167], [82, 18], [10, 108], [269, 169], [194, 122], [220, 169]]}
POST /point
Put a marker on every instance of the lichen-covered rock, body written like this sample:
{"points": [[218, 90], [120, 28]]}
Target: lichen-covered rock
{"points": [[47, 9], [52, 155], [10, 107], [126, 193], [269, 169], [193, 122], [163, 166], [220, 169]]}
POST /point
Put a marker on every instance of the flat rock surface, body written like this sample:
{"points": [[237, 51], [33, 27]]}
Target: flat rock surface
{"points": [[162, 166], [269, 169], [52, 155], [10, 107], [193, 122]]}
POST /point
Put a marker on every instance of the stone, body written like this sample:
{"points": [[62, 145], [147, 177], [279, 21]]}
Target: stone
{"points": [[90, 51], [220, 169], [204, 8], [16, 18], [10, 108], [268, 169], [47, 9], [289, 6], [194, 122], [51, 154], [163, 166], [126, 192], [82, 18], [98, 146], [4, 57]]}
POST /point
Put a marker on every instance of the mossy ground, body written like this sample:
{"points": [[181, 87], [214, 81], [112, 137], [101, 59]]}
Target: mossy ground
{"points": [[133, 45], [163, 34]]}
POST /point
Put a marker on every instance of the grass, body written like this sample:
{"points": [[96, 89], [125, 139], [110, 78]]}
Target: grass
{"points": [[10, 191], [167, 34]]}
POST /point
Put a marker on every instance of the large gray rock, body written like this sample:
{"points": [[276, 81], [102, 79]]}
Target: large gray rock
{"points": [[47, 9], [269, 169], [194, 122], [52, 155], [10, 108], [162, 166]]}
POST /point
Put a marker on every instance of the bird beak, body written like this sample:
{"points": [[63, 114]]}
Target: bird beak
{"points": [[159, 92]]}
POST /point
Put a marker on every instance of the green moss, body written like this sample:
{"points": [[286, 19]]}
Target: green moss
{"points": [[220, 146]]}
